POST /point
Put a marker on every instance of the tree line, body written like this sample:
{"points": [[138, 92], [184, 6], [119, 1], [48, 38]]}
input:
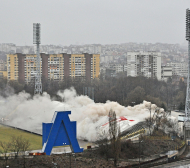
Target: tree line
{"points": [[124, 90], [113, 145]]}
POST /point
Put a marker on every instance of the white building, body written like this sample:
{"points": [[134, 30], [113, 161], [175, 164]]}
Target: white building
{"points": [[108, 58], [146, 64], [179, 68], [50, 49], [166, 73], [102, 59], [120, 68], [94, 48], [8, 47]]}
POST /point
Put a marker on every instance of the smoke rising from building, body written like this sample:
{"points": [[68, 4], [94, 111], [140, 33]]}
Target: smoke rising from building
{"points": [[28, 113]]}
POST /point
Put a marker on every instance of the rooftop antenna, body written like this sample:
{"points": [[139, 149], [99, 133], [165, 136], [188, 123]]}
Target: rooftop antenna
{"points": [[36, 40]]}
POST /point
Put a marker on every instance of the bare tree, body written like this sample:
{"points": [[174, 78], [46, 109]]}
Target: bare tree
{"points": [[148, 124], [24, 146], [16, 145], [104, 146], [6, 146], [156, 118], [150, 120], [172, 127], [114, 133]]}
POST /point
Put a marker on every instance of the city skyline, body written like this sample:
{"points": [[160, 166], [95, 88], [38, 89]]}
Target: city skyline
{"points": [[89, 22]]}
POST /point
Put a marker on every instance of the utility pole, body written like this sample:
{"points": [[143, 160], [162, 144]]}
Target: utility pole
{"points": [[36, 40]]}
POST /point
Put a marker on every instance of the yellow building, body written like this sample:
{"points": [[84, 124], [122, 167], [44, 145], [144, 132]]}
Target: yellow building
{"points": [[12, 67], [29, 68], [95, 66], [82, 66], [56, 67], [22, 67], [3, 74], [77, 65]]}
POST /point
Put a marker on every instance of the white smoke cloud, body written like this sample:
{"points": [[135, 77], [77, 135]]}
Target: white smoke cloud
{"points": [[28, 113]]}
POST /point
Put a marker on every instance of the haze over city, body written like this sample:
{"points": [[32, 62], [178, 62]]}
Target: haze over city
{"points": [[89, 22], [90, 83]]}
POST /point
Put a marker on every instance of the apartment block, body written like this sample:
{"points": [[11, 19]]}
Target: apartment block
{"points": [[2, 65], [54, 66], [12, 67], [146, 64], [3, 74], [29, 68], [179, 68], [22, 67], [118, 67], [166, 73]]}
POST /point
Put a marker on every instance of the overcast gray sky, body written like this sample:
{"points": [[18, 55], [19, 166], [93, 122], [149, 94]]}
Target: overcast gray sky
{"points": [[68, 22]]}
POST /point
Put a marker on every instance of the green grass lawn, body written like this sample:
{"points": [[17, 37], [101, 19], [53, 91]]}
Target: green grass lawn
{"points": [[6, 133]]}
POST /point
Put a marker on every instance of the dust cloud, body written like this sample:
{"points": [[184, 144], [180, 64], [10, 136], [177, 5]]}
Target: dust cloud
{"points": [[28, 112]]}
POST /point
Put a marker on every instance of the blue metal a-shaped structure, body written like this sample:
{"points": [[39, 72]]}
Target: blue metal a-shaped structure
{"points": [[60, 132]]}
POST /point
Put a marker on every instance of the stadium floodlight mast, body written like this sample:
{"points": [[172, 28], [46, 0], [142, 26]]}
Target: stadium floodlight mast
{"points": [[187, 102], [36, 40]]}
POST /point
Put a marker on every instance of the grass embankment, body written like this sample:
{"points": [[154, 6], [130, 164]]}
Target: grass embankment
{"points": [[6, 133]]}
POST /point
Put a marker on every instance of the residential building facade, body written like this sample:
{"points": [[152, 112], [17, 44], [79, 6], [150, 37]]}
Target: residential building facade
{"points": [[179, 68], [2, 65], [3, 74], [146, 64], [166, 73], [22, 67]]}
